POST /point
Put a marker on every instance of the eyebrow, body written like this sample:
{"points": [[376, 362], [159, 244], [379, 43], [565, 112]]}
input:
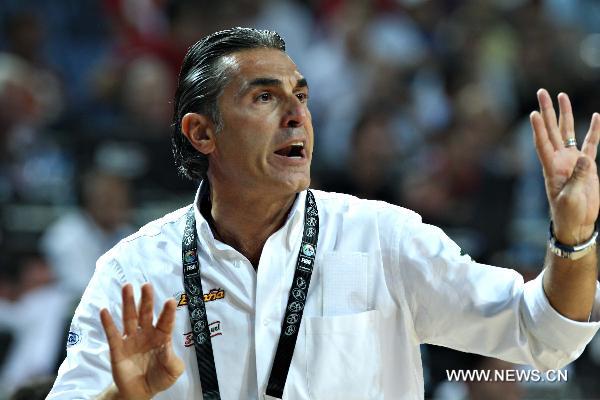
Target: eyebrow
{"points": [[258, 82]]}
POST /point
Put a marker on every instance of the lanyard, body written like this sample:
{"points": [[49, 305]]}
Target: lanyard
{"points": [[293, 312]]}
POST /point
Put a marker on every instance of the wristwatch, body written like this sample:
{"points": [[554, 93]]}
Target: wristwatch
{"points": [[571, 252]]}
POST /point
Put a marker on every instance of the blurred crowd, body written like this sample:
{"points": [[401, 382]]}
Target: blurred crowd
{"points": [[421, 103]]}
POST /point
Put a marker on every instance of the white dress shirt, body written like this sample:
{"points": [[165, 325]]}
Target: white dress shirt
{"points": [[384, 282], [62, 244]]}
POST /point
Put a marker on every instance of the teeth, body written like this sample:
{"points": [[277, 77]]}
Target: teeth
{"points": [[293, 150]]}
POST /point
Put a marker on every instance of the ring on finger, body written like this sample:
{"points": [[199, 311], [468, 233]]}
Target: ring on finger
{"points": [[571, 142]]}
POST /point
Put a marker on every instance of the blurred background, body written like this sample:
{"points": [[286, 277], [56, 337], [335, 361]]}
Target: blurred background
{"points": [[420, 103]]}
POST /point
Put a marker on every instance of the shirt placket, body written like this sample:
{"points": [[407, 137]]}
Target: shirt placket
{"points": [[269, 309]]}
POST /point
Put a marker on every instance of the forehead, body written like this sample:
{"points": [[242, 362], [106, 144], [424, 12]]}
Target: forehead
{"points": [[247, 65]]}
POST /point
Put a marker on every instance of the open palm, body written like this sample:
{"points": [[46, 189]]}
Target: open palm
{"points": [[570, 174], [142, 359]]}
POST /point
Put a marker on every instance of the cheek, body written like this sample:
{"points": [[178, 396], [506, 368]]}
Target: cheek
{"points": [[247, 138], [259, 147], [249, 148], [255, 138]]}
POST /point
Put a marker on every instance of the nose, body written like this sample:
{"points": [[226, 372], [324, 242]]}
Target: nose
{"points": [[295, 115]]}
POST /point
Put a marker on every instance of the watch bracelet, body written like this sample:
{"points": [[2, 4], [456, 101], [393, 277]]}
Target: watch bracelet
{"points": [[571, 252]]}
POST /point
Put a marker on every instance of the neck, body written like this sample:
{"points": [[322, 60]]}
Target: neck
{"points": [[245, 220]]}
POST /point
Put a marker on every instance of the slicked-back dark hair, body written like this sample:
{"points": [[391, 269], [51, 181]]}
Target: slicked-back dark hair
{"points": [[201, 81]]}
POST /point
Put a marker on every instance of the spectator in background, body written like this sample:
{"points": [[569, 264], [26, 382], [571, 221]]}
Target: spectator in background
{"points": [[33, 166], [36, 318], [373, 160], [74, 242], [37, 389], [129, 135]]}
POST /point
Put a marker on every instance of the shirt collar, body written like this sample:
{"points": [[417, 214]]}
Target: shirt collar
{"points": [[203, 230], [295, 221], [292, 227]]}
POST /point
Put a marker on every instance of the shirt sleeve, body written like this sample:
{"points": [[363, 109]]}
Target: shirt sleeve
{"points": [[459, 303], [86, 372]]}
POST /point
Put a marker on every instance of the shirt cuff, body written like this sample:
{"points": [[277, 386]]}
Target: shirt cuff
{"points": [[554, 329]]}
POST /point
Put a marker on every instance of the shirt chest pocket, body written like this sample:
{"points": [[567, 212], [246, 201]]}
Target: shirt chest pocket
{"points": [[343, 355], [344, 283], [343, 351]]}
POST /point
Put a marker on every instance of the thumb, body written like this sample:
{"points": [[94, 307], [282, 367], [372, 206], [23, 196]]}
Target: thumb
{"points": [[576, 183], [581, 169], [172, 364]]}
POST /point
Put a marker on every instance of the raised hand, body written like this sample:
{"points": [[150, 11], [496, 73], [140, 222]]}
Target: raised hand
{"points": [[570, 174], [142, 359]]}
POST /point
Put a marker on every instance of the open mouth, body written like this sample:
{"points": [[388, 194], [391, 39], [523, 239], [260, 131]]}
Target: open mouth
{"points": [[294, 150]]}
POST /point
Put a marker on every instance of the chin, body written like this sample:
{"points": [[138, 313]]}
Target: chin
{"points": [[303, 182], [295, 185], [304, 185]]}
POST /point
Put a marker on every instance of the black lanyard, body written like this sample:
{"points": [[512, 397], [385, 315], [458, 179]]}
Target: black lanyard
{"points": [[293, 312]]}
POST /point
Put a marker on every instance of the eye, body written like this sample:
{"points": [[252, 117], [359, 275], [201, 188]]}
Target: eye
{"points": [[303, 97], [264, 97]]}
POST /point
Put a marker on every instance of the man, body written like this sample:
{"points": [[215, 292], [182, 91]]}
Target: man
{"points": [[300, 294], [97, 226]]}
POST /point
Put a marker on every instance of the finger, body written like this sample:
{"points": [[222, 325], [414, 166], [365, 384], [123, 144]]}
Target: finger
{"points": [[146, 306], [549, 117], [566, 126], [590, 144], [543, 147], [166, 319], [130, 321], [115, 341]]}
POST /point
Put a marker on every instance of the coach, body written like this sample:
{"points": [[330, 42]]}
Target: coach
{"points": [[265, 289]]}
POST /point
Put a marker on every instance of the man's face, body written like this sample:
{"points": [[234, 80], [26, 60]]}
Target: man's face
{"points": [[266, 141]]}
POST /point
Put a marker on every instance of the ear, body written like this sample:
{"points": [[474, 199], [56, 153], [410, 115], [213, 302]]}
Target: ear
{"points": [[199, 130]]}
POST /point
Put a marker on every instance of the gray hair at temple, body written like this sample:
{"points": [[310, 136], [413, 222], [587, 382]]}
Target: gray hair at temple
{"points": [[201, 81]]}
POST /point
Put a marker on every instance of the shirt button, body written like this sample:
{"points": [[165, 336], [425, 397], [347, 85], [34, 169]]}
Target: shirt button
{"points": [[266, 321]]}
